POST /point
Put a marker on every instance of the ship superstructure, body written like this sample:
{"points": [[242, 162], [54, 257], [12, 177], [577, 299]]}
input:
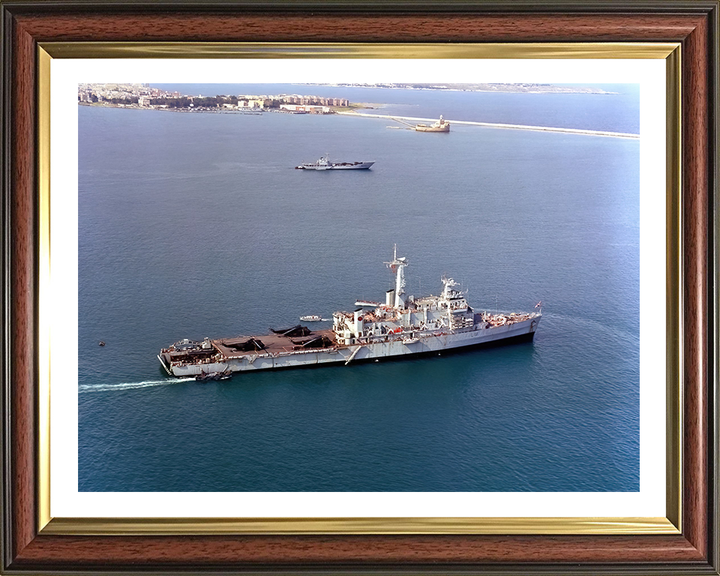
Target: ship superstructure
{"points": [[401, 326]]}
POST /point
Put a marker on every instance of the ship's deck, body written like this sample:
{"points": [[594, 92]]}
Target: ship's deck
{"points": [[273, 343]]}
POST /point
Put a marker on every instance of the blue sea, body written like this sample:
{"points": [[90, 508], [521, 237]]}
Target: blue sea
{"points": [[196, 224]]}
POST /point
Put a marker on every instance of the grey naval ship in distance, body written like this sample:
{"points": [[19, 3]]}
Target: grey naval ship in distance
{"points": [[402, 326], [324, 164]]}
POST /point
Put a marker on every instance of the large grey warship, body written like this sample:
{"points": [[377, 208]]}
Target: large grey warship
{"points": [[324, 164], [401, 326]]}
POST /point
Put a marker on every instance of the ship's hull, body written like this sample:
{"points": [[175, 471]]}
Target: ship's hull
{"points": [[420, 128], [415, 345], [353, 166]]}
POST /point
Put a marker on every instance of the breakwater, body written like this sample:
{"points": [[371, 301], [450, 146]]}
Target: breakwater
{"points": [[502, 126]]}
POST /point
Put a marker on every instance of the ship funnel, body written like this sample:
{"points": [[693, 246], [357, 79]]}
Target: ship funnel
{"points": [[390, 298], [358, 321]]}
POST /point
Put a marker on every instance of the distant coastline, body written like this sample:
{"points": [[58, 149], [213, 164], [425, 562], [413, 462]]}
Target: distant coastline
{"points": [[143, 96], [516, 88]]}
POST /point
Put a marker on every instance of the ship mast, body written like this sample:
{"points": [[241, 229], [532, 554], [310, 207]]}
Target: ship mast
{"points": [[397, 265]]}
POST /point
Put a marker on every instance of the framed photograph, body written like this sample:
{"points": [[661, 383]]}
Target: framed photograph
{"points": [[494, 224]]}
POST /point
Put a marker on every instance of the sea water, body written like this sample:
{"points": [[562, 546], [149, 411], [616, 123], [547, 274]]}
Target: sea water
{"points": [[197, 224]]}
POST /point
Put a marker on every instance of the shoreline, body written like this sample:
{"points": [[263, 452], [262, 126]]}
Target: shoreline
{"points": [[353, 113], [499, 88], [579, 131], [254, 111]]}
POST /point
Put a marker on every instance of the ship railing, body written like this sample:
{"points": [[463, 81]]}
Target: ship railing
{"points": [[286, 352]]}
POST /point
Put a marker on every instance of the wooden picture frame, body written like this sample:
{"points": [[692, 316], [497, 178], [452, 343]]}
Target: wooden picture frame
{"points": [[28, 547]]}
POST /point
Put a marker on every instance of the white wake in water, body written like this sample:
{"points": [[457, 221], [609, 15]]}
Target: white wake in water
{"points": [[131, 385]]}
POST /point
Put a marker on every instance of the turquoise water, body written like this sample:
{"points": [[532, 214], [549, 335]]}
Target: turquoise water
{"points": [[195, 225]]}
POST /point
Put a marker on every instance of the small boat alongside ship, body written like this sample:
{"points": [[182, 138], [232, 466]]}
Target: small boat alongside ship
{"points": [[402, 326], [208, 376], [311, 318], [324, 164]]}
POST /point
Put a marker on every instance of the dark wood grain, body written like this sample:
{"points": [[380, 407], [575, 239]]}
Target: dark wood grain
{"points": [[22, 274], [225, 551], [690, 552], [363, 28], [695, 238]]}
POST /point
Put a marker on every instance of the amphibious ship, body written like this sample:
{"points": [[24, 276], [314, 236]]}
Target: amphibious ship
{"points": [[324, 164], [401, 326]]}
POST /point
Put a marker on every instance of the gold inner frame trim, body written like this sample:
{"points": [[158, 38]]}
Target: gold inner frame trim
{"points": [[296, 526], [44, 323], [558, 50], [533, 525], [674, 293]]}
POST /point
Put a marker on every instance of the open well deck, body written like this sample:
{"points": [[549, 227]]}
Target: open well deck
{"points": [[273, 343]]}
